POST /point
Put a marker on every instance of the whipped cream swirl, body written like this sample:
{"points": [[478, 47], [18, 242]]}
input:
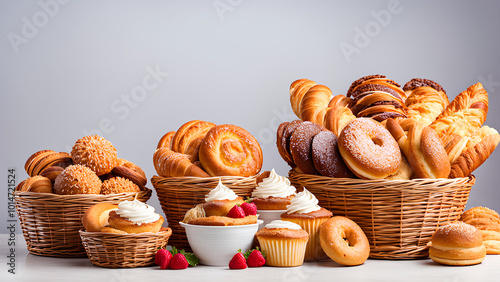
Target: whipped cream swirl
{"points": [[221, 192], [304, 202], [283, 224], [137, 212], [275, 186]]}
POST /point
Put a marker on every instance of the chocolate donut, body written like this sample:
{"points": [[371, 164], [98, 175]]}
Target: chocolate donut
{"points": [[326, 156]]}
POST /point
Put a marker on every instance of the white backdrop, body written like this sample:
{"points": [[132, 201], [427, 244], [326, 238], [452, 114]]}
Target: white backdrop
{"points": [[133, 70]]}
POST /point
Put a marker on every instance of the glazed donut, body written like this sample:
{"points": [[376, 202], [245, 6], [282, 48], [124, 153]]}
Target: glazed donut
{"points": [[344, 241], [229, 150], [326, 156], [166, 140], [77, 179], [96, 217], [283, 141], [300, 146], [368, 149], [187, 138], [96, 153]]}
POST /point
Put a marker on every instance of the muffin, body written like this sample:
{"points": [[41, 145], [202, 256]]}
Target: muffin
{"points": [[220, 200], [284, 243], [273, 193], [135, 217], [305, 211]]}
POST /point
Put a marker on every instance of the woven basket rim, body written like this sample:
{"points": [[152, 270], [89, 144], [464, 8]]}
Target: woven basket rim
{"points": [[201, 179], [104, 235], [76, 196]]}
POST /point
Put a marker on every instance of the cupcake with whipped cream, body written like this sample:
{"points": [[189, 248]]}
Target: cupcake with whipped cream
{"points": [[135, 217], [284, 243], [220, 200], [273, 193], [305, 211]]}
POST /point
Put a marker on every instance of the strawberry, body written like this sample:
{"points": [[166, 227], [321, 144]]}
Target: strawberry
{"points": [[238, 261], [255, 259], [249, 208], [179, 262], [163, 258], [236, 212]]}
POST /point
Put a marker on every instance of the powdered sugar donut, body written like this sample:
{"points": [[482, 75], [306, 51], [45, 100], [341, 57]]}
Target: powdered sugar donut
{"points": [[326, 156]]}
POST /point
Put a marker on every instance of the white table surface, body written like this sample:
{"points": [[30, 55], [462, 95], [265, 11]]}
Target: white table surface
{"points": [[38, 268]]}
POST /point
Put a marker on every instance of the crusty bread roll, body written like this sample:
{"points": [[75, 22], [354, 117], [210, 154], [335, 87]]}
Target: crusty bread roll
{"points": [[96, 217]]}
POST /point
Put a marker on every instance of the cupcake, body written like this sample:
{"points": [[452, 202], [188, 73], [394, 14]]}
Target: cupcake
{"points": [[220, 200], [304, 211], [274, 193], [284, 243], [135, 217]]}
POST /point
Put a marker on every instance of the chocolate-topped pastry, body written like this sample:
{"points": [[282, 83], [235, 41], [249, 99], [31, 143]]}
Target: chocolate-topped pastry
{"points": [[420, 82]]}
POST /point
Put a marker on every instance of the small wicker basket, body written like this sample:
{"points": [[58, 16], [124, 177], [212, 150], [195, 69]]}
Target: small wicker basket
{"points": [[179, 194], [123, 250], [398, 216], [51, 222]]}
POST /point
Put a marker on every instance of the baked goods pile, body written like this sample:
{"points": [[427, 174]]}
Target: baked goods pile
{"points": [[128, 217], [92, 167], [202, 149], [487, 221], [379, 130]]}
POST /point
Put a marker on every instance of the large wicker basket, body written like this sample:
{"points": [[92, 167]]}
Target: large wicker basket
{"points": [[123, 250], [51, 222], [179, 194], [398, 216]]}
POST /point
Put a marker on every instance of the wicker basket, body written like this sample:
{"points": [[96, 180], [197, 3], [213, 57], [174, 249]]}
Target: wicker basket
{"points": [[398, 216], [51, 222], [179, 194], [123, 250]]}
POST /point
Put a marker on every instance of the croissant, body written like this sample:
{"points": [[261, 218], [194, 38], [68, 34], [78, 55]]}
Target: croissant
{"points": [[172, 164], [465, 114], [426, 100], [298, 89]]}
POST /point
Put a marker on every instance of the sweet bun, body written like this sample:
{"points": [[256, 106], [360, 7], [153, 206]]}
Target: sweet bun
{"points": [[96, 153], [96, 217], [300, 146], [117, 185], [368, 149], [326, 156], [77, 179], [37, 184]]}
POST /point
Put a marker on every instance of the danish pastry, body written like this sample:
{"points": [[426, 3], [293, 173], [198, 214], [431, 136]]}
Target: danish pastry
{"points": [[187, 138], [77, 179], [96, 153], [230, 150]]}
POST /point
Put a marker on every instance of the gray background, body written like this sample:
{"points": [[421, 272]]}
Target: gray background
{"points": [[228, 61]]}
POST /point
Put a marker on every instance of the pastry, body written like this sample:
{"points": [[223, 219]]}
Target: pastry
{"points": [[478, 148], [96, 217], [216, 220], [117, 185], [52, 172], [107, 229], [273, 193], [283, 141], [166, 140], [135, 217], [37, 183], [314, 104], [220, 200], [229, 150], [300, 146], [457, 244], [298, 89], [130, 171], [283, 242], [426, 100], [344, 241], [405, 172], [368, 149], [487, 221], [304, 211], [77, 179], [187, 139], [338, 114], [282, 145], [96, 153], [172, 164], [422, 148], [326, 156], [45, 159]]}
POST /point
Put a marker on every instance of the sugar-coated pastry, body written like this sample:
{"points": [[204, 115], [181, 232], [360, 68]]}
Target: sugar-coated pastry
{"points": [[426, 100], [220, 200], [45, 159], [37, 183], [457, 243], [326, 156], [273, 192], [187, 139], [305, 211], [283, 242], [117, 185], [166, 140], [77, 179], [135, 217], [96, 217], [344, 241], [96, 153], [172, 164], [368, 149], [422, 148], [487, 221], [229, 150], [300, 146]]}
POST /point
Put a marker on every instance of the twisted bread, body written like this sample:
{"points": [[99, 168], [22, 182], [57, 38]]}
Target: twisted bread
{"points": [[426, 100]]}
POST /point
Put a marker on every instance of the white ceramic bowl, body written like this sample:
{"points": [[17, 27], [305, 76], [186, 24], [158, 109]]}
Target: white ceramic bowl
{"points": [[269, 215], [216, 245]]}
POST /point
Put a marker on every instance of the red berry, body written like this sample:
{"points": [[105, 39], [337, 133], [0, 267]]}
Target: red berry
{"points": [[179, 262], [236, 212], [163, 258], [255, 259], [249, 208], [238, 262]]}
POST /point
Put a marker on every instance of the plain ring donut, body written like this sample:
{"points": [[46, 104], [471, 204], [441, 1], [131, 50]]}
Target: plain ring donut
{"points": [[344, 241]]}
